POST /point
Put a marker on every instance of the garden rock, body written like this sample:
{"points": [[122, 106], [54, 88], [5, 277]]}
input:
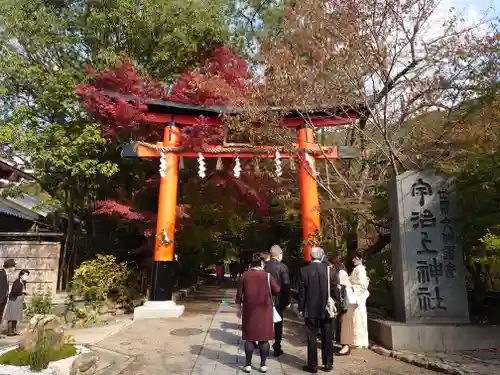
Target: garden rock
{"points": [[60, 367], [79, 305], [59, 310], [85, 364], [48, 325], [70, 317], [137, 302]]}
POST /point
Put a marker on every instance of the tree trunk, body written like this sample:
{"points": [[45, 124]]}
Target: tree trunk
{"points": [[64, 248], [68, 241], [351, 241], [382, 241]]}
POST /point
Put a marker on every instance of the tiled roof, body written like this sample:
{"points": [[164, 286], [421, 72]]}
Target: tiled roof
{"points": [[24, 207], [12, 212], [32, 204]]}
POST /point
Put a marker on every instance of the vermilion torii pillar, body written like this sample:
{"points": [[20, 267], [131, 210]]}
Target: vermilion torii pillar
{"points": [[308, 191], [160, 304], [165, 222]]}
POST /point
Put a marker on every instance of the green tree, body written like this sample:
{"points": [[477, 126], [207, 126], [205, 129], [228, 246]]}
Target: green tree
{"points": [[44, 48]]}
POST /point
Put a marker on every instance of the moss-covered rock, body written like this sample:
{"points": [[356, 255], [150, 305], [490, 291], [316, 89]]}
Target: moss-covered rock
{"points": [[21, 357]]}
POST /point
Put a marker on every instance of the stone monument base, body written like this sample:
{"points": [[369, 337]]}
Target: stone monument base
{"points": [[157, 310], [433, 337]]}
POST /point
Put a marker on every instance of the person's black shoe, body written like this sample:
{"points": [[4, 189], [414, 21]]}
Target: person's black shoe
{"points": [[310, 369], [328, 368]]}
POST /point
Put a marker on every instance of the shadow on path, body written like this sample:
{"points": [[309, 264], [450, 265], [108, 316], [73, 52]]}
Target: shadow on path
{"points": [[233, 326], [231, 339], [213, 356]]}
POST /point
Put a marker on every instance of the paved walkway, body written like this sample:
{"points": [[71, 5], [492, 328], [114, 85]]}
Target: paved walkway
{"points": [[207, 340]]}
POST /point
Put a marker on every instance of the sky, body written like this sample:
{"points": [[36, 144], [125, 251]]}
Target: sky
{"points": [[474, 9]]}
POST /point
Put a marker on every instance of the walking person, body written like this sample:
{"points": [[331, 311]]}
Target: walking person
{"points": [[254, 296], [233, 270], [219, 272], [242, 267], [354, 328], [14, 311], [9, 266], [317, 284], [280, 274]]}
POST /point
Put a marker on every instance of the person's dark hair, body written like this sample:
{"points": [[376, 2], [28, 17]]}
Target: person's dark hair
{"points": [[9, 263], [256, 260], [359, 254], [23, 272], [338, 264]]}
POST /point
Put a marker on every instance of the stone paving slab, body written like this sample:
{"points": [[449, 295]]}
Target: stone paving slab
{"points": [[223, 349]]}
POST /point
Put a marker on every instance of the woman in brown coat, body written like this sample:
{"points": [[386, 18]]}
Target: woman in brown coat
{"points": [[254, 297]]}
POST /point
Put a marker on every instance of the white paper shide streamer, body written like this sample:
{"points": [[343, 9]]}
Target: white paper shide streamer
{"points": [[277, 162], [310, 161], [237, 168], [163, 165], [201, 165]]}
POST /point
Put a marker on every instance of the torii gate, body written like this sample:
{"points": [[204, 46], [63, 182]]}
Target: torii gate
{"points": [[173, 116]]}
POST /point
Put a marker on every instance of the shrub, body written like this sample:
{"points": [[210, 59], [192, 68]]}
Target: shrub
{"points": [[94, 279], [39, 303]]}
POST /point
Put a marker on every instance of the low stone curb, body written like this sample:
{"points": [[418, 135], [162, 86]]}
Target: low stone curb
{"points": [[420, 360], [183, 293]]}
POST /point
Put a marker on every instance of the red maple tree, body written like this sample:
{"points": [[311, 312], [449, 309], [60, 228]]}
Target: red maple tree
{"points": [[117, 99]]}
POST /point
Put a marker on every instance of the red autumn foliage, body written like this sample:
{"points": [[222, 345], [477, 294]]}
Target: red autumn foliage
{"points": [[127, 213], [221, 80], [117, 99], [124, 211], [249, 187], [201, 134], [117, 116]]}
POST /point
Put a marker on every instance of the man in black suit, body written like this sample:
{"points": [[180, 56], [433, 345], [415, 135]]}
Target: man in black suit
{"points": [[313, 297], [279, 272], [9, 265]]}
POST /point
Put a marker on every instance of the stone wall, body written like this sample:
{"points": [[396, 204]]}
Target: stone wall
{"points": [[41, 258]]}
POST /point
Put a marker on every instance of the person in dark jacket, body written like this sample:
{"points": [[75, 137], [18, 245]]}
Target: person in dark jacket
{"points": [[255, 289], [14, 311], [8, 267], [343, 282], [313, 297], [233, 270], [279, 272]]}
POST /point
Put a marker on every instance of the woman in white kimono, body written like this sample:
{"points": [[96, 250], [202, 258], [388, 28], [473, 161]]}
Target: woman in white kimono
{"points": [[354, 328]]}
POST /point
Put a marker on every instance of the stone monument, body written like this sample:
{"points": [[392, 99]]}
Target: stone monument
{"points": [[430, 295], [427, 259]]}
